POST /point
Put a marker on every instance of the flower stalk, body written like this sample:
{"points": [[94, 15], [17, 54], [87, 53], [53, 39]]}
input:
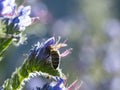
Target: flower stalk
{"points": [[38, 60], [13, 22], [14, 83]]}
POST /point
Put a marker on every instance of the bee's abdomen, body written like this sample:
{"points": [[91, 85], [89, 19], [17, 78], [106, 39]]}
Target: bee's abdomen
{"points": [[55, 59]]}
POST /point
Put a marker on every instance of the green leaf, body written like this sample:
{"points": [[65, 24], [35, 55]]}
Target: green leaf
{"points": [[1, 58], [30, 66], [4, 44]]}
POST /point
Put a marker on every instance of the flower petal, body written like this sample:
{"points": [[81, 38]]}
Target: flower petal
{"points": [[49, 42], [24, 10]]}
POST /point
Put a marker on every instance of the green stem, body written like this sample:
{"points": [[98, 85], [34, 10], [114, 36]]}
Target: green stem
{"points": [[4, 44], [29, 66]]}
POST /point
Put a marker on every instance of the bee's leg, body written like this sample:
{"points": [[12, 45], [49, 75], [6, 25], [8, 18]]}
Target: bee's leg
{"points": [[66, 52], [60, 45]]}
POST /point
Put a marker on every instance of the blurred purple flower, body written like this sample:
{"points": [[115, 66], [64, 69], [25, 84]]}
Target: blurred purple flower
{"points": [[115, 84], [112, 28], [7, 8]]}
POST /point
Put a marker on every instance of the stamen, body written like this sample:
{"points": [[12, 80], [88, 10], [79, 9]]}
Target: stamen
{"points": [[58, 40], [78, 88], [35, 20], [73, 85], [66, 52], [65, 41]]}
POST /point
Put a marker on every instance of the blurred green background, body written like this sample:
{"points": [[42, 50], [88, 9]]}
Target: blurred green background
{"points": [[91, 28]]}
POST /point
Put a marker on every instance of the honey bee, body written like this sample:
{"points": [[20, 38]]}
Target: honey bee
{"points": [[55, 53]]}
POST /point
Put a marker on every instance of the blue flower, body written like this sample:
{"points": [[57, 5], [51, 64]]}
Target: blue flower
{"points": [[24, 10], [40, 50], [58, 85], [20, 18], [23, 19], [7, 8]]}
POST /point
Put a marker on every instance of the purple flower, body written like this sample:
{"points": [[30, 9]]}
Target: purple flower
{"points": [[49, 42], [7, 8], [40, 50]]}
